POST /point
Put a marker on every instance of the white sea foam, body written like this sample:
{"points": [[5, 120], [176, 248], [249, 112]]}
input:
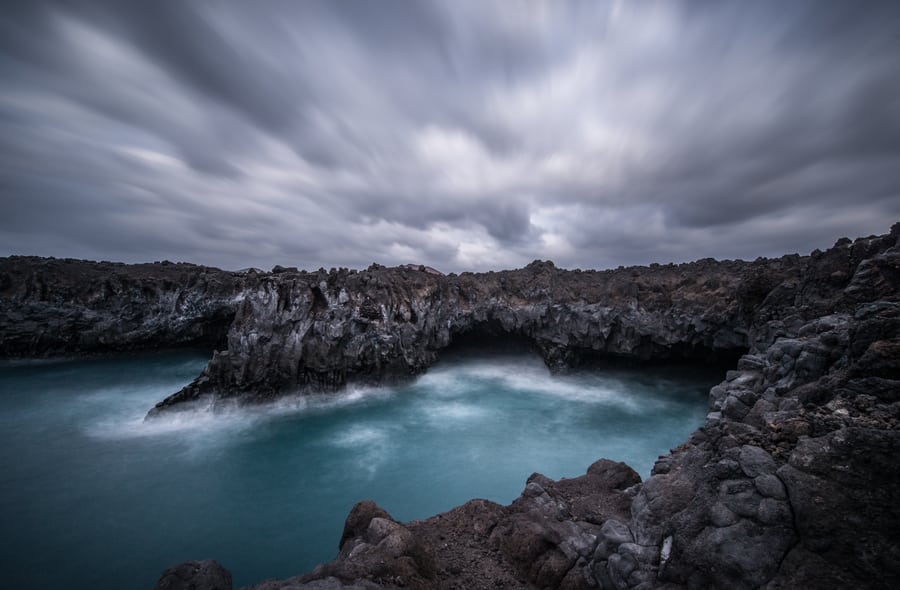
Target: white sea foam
{"points": [[447, 413], [194, 422], [533, 377], [444, 392], [123, 412], [361, 436], [371, 446]]}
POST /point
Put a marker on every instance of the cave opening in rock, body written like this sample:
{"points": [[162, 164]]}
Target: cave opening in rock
{"points": [[212, 333], [649, 353], [488, 338], [202, 335]]}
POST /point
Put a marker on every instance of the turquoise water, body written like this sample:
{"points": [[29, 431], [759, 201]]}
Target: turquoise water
{"points": [[92, 497]]}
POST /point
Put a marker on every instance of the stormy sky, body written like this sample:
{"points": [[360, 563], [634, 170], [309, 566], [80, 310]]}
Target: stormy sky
{"points": [[468, 135]]}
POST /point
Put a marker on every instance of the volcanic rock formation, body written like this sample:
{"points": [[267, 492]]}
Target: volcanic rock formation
{"points": [[790, 483], [297, 332], [52, 306]]}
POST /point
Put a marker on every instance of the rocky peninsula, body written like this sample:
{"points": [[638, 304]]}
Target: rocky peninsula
{"points": [[790, 483]]}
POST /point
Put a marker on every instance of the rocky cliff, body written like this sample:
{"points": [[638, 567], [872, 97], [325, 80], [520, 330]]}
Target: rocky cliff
{"points": [[51, 307], [790, 483], [299, 332]]}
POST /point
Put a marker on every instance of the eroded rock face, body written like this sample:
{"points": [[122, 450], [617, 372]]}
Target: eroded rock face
{"points": [[789, 482], [53, 306], [300, 332]]}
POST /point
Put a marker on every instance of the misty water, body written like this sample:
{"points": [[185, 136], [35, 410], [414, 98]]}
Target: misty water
{"points": [[93, 497]]}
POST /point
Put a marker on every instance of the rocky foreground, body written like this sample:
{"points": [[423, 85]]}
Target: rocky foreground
{"points": [[789, 484]]}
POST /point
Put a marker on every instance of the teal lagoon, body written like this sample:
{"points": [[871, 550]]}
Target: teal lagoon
{"points": [[92, 496]]}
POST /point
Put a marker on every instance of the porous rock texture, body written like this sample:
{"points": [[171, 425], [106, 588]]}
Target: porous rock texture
{"points": [[790, 483]]}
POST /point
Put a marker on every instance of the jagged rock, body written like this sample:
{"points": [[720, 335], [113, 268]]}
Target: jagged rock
{"points": [[553, 527], [329, 583], [376, 549], [842, 487], [195, 575], [321, 331], [51, 306], [612, 534]]}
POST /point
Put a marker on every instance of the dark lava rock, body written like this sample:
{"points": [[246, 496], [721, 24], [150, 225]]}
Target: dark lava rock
{"points": [[375, 552], [541, 540], [358, 520], [195, 575], [312, 332], [51, 306]]}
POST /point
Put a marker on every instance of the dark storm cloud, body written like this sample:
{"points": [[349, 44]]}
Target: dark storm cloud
{"points": [[466, 135], [177, 37]]}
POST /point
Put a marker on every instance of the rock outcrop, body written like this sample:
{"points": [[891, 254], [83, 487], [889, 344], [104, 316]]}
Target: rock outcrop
{"points": [[790, 483], [52, 307], [301, 332], [195, 575]]}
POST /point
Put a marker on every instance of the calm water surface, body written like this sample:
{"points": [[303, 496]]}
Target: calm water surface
{"points": [[92, 497]]}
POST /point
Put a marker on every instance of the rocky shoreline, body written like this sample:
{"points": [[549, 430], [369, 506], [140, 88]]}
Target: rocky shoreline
{"points": [[790, 483]]}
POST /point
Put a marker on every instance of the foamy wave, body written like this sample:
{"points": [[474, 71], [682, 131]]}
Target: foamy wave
{"points": [[371, 446], [361, 436], [198, 419], [443, 414], [444, 392], [212, 417], [535, 378]]}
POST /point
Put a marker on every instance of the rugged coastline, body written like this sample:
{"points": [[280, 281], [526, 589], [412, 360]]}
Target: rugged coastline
{"points": [[790, 482]]}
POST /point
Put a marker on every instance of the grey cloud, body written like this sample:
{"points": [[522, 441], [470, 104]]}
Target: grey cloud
{"points": [[180, 39], [465, 134], [507, 222]]}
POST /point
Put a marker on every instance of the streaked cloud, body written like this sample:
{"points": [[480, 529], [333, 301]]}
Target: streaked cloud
{"points": [[465, 135]]}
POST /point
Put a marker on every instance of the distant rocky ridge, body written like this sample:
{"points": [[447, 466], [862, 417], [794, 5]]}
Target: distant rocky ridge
{"points": [[790, 483]]}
